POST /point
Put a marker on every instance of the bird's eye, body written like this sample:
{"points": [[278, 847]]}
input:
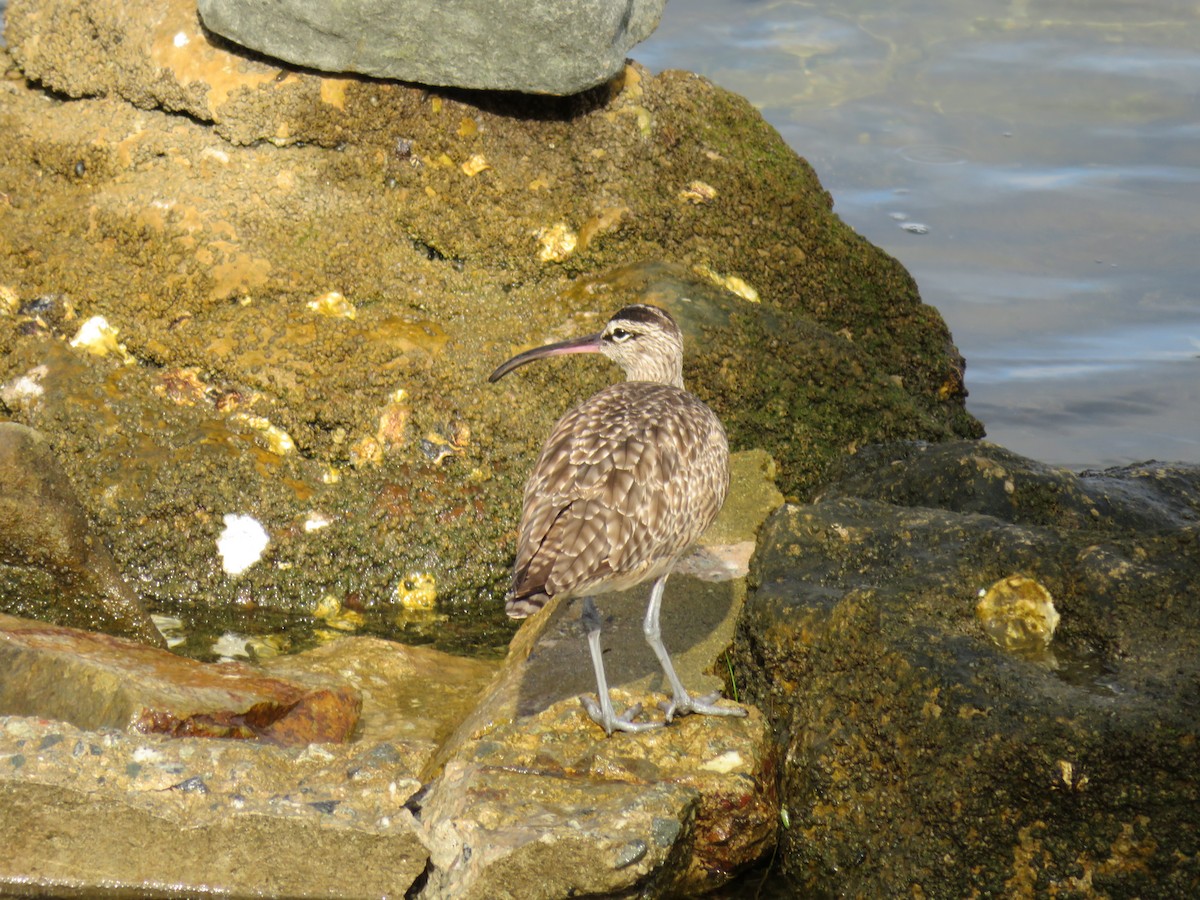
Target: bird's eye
{"points": [[620, 335]]}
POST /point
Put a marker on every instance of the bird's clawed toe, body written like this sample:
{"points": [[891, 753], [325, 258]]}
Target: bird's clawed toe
{"points": [[610, 722], [705, 706]]}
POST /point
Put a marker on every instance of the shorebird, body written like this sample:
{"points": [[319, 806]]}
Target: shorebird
{"points": [[625, 484]]}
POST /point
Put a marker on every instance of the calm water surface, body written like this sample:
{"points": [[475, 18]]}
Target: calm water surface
{"points": [[1035, 165]]}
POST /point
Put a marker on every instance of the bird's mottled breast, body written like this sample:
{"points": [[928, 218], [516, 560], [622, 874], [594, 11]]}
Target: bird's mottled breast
{"points": [[636, 473]]}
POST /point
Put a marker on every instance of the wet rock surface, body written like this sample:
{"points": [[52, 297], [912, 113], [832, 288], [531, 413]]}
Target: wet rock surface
{"points": [[85, 812], [539, 47], [149, 814], [922, 752], [550, 806], [60, 566], [95, 681]]}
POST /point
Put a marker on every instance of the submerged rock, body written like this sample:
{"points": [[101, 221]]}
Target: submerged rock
{"points": [[538, 46], [921, 752], [413, 694], [44, 529], [95, 681]]}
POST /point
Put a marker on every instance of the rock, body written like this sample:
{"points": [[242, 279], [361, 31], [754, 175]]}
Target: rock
{"points": [[920, 751], [493, 832], [96, 681], [233, 818], [44, 527], [416, 695], [543, 47], [335, 815], [201, 199], [984, 478], [160, 56], [712, 780]]}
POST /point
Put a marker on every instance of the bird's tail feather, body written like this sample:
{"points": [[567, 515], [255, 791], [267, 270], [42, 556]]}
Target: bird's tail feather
{"points": [[522, 607]]}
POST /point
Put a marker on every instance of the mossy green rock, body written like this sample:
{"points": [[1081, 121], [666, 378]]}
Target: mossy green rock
{"points": [[209, 205], [921, 753]]}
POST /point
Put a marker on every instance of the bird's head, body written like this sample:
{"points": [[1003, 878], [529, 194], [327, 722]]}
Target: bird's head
{"points": [[642, 339]]}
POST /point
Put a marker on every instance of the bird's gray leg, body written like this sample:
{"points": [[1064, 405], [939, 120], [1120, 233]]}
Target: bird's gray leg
{"points": [[681, 701], [603, 714]]}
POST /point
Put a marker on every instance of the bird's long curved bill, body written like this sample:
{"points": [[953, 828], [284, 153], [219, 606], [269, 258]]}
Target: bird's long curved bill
{"points": [[589, 344]]}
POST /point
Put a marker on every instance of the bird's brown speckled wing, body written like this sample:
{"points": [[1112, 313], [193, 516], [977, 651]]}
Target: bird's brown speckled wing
{"points": [[626, 482]]}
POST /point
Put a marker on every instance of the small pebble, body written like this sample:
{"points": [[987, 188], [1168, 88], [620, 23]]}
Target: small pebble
{"points": [[633, 852]]}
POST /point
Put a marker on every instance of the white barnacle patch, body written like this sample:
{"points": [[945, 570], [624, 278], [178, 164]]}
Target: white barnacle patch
{"points": [[147, 755], [723, 764], [171, 628], [315, 521], [242, 543], [99, 338], [232, 645], [24, 391]]}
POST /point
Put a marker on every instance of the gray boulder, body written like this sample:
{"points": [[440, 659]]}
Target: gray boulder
{"points": [[540, 47]]}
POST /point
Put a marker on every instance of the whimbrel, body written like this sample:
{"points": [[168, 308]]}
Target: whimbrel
{"points": [[625, 484]]}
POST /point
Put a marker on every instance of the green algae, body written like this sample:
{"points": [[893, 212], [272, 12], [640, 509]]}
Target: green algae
{"points": [[205, 253]]}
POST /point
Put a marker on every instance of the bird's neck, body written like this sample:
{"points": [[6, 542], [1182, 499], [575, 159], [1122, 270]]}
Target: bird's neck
{"points": [[665, 373]]}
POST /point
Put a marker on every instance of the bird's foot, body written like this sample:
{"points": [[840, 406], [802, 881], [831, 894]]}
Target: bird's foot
{"points": [[681, 705], [610, 722]]}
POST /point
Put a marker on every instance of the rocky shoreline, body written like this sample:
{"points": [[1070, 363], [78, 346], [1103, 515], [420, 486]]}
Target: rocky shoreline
{"points": [[234, 290]]}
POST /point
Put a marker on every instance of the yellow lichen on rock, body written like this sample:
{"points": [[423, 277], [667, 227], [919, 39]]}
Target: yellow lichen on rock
{"points": [[698, 192], [476, 164], [333, 305], [417, 591], [1018, 614], [99, 338], [556, 242], [731, 283]]}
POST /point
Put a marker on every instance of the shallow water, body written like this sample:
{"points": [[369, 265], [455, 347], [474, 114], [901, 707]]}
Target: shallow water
{"points": [[1034, 165]]}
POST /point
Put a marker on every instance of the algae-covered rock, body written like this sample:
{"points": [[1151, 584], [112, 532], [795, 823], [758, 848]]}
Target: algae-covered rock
{"points": [[210, 205], [44, 531], [922, 752]]}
